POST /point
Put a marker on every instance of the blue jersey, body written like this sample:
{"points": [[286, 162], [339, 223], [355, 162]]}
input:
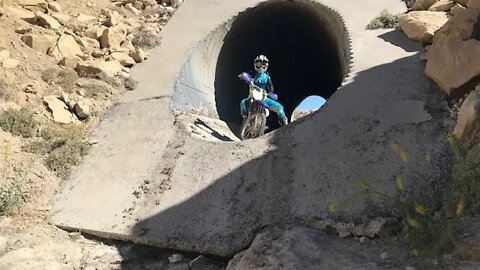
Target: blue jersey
{"points": [[262, 80]]}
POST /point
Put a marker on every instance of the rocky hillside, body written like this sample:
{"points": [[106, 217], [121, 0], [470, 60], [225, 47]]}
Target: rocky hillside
{"points": [[450, 32]]}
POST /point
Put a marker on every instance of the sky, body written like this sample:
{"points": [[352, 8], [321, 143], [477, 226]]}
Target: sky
{"points": [[312, 103]]}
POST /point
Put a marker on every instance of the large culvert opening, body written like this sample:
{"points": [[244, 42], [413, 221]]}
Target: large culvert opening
{"points": [[306, 42]]}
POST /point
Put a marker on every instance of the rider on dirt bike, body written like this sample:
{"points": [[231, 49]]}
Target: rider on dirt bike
{"points": [[262, 79]]}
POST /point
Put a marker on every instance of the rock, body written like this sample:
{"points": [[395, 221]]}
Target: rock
{"points": [[63, 19], [132, 9], [39, 43], [384, 256], [66, 46], [124, 75], [113, 37], [59, 110], [10, 63], [31, 2], [123, 58], [46, 20], [139, 5], [82, 109], [23, 14], [148, 3], [203, 263], [461, 2], [303, 248], [456, 8], [22, 30], [452, 62], [113, 18], [70, 61], [95, 31], [92, 68], [55, 6], [442, 5], [90, 267], [3, 245], [98, 53], [76, 26], [4, 55], [473, 3], [423, 4], [468, 120], [176, 258], [37, 9], [422, 25], [83, 18], [138, 55], [87, 44], [127, 46]]}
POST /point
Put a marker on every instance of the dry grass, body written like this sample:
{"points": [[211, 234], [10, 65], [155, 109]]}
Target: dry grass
{"points": [[384, 20], [65, 77], [19, 122]]}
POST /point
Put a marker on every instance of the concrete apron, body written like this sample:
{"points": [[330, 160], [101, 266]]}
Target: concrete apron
{"points": [[149, 182]]}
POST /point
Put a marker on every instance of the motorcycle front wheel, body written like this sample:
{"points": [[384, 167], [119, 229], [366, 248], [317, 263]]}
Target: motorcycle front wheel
{"points": [[253, 126]]}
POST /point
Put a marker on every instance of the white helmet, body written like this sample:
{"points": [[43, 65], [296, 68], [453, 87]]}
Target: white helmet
{"points": [[261, 63]]}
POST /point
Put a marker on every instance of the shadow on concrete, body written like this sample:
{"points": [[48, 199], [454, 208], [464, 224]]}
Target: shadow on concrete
{"points": [[224, 218], [397, 38], [202, 125]]}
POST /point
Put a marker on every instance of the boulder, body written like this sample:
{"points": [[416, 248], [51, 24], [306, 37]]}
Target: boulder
{"points": [[47, 21], [138, 55], [4, 55], [95, 31], [23, 14], [442, 5], [148, 3], [76, 26], [113, 37], [128, 46], [422, 25], [54, 6], [31, 2], [423, 4], [123, 58], [87, 44], [468, 120], [456, 8], [113, 18], [63, 19], [59, 110], [66, 46], [473, 3], [93, 68], [39, 43], [461, 2], [10, 63], [132, 9], [304, 248], [83, 18], [83, 109], [70, 61], [453, 60], [139, 5]]}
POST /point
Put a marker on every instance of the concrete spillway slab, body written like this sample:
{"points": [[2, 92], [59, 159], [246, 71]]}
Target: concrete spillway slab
{"points": [[149, 181]]}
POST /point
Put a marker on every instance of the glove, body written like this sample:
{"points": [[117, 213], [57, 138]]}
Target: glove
{"points": [[272, 95], [244, 76]]}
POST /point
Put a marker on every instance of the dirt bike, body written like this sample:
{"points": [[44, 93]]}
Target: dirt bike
{"points": [[255, 124]]}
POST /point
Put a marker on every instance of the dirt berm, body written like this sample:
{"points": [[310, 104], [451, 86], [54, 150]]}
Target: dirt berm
{"points": [[150, 180]]}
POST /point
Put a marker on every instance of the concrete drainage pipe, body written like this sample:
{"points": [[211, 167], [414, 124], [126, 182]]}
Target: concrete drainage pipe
{"points": [[307, 44]]}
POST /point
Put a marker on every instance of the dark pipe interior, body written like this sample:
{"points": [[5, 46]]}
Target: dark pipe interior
{"points": [[303, 53]]}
